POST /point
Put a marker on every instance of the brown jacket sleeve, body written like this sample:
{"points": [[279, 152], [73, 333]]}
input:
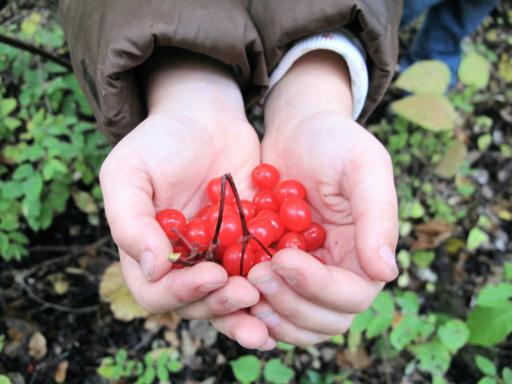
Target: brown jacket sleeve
{"points": [[109, 39], [374, 22]]}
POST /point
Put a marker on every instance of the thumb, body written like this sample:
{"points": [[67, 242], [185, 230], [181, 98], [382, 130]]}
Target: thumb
{"points": [[127, 194], [371, 191]]}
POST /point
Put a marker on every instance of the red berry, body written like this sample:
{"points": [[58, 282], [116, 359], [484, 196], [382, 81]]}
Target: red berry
{"points": [[295, 214], [265, 176], [170, 219], [274, 219], [182, 250], [266, 200], [289, 188], [230, 229], [261, 229], [292, 240], [261, 257], [213, 213], [203, 212], [232, 260], [198, 233], [248, 208], [213, 190], [314, 236]]}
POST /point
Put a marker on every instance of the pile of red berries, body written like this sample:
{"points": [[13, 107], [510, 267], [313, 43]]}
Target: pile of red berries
{"points": [[240, 233]]}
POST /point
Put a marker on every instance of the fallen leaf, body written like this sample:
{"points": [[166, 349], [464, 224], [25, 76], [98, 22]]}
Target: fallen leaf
{"points": [[451, 161], [37, 346], [431, 234], [432, 112], [426, 76], [113, 290], [169, 320], [357, 359], [61, 372]]}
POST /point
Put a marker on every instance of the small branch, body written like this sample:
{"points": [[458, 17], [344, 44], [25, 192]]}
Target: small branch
{"points": [[35, 50]]}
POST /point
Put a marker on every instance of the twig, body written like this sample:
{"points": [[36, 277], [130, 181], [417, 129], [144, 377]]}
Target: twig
{"points": [[35, 50]]}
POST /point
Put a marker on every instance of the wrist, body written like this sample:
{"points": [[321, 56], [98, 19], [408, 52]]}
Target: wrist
{"points": [[317, 82], [178, 80]]}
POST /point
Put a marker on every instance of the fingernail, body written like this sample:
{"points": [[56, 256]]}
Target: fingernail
{"points": [[269, 344], [205, 288], [233, 305], [271, 319], [267, 285], [147, 264], [288, 273], [388, 258]]}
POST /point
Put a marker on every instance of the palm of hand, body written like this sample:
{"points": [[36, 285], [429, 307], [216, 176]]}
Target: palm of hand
{"points": [[327, 154]]}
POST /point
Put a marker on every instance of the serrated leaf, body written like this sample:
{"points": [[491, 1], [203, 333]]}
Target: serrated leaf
{"points": [[432, 112], [474, 70], [276, 372], [426, 76], [489, 325], [383, 308], [113, 290], [433, 357], [494, 295], [485, 365], [454, 334], [246, 368], [476, 238], [451, 161]]}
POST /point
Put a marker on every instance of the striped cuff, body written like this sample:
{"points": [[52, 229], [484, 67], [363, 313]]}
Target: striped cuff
{"points": [[341, 42]]}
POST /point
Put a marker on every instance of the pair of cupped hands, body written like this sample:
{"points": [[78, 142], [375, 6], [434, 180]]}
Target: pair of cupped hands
{"points": [[196, 130]]}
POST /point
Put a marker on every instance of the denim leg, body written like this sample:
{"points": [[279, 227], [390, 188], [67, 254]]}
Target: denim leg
{"points": [[413, 9], [444, 28]]}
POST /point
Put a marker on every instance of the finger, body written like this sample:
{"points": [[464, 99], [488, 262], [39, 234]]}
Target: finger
{"points": [[328, 286], [127, 193], [289, 304], [283, 330], [369, 185], [237, 294], [247, 330], [174, 290]]}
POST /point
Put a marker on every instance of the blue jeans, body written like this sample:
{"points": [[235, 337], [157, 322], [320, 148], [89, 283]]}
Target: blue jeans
{"points": [[446, 24]]}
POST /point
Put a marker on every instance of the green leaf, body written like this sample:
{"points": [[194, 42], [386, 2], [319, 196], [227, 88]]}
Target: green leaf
{"points": [[476, 238], [7, 106], [485, 365], [486, 380], [507, 375], [474, 70], [362, 320], [494, 295], [490, 325], [11, 122], [11, 189], [423, 259], [174, 365], [432, 112], [383, 307], [427, 76], [4, 243], [23, 171], [454, 334], [276, 372], [4, 380], [484, 142], [405, 332], [433, 357], [408, 302], [452, 160], [246, 368], [30, 24], [33, 185]]}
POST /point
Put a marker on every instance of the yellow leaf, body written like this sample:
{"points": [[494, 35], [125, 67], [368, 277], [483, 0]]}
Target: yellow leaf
{"points": [[113, 290]]}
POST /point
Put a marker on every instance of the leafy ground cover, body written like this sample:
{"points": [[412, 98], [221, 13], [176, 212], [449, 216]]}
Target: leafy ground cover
{"points": [[448, 317]]}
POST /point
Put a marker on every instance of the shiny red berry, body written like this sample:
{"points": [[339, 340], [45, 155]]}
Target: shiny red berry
{"points": [[265, 176], [314, 236], [266, 200], [295, 214], [213, 190], [197, 232], [289, 188], [292, 240], [275, 220], [232, 257], [170, 219]]}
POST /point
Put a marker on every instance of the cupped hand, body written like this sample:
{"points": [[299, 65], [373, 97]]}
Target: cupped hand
{"points": [[307, 298], [196, 130]]}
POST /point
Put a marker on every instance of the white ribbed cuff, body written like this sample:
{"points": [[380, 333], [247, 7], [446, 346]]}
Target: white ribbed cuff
{"points": [[343, 43]]}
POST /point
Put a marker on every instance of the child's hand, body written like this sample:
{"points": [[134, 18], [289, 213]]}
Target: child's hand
{"points": [[348, 175], [196, 130]]}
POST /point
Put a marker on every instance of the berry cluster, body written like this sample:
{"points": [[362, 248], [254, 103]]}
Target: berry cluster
{"points": [[240, 233]]}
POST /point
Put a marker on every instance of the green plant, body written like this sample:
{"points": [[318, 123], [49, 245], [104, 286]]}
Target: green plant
{"points": [[248, 369], [157, 366], [4, 380], [2, 341], [50, 151], [490, 371]]}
